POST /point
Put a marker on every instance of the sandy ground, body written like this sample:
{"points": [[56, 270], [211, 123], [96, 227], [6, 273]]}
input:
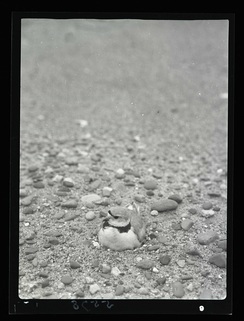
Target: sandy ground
{"points": [[146, 96]]}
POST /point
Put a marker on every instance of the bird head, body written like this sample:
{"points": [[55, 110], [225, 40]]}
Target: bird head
{"points": [[118, 216]]}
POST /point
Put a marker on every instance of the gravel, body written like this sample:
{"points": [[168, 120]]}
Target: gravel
{"points": [[68, 170]]}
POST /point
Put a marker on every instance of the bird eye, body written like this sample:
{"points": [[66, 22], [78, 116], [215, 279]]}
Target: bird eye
{"points": [[114, 216]]}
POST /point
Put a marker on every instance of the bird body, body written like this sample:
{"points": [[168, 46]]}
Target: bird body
{"points": [[122, 229]]}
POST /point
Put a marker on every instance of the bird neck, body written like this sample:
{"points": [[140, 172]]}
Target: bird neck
{"points": [[121, 229]]}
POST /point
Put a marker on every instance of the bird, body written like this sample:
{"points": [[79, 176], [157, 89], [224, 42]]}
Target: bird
{"points": [[122, 229]]}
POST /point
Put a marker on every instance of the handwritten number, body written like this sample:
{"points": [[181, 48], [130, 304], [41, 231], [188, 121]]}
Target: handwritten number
{"points": [[75, 305]]}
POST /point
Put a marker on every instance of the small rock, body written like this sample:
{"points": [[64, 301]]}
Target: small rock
{"points": [[186, 224], [206, 294], [43, 263], [139, 198], [27, 200], [150, 184], [192, 250], [216, 208], [70, 217], [143, 291], [178, 289], [181, 263], [74, 264], [190, 287], [31, 250], [107, 191], [45, 283], [70, 204], [119, 290], [94, 185], [192, 211], [115, 271], [68, 182], [105, 268], [176, 226], [83, 169], [153, 247], [33, 168], [218, 259], [145, 264], [223, 244], [120, 173], [90, 198], [161, 280], [57, 178], [214, 194], [67, 279], [29, 210], [71, 161], [94, 288], [80, 294], [207, 213], [186, 277], [175, 197], [207, 205], [43, 275], [53, 241], [155, 270], [90, 216], [164, 259], [164, 205], [154, 213], [38, 185], [207, 237]]}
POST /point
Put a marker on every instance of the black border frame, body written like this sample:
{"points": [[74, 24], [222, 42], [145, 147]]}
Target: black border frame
{"points": [[19, 306]]}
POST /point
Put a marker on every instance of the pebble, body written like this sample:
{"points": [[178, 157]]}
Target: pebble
{"points": [[140, 198], [207, 205], [53, 241], [206, 294], [90, 198], [153, 247], [71, 161], [119, 290], [27, 200], [29, 210], [218, 259], [154, 213], [43, 263], [175, 197], [94, 288], [164, 259], [31, 250], [192, 250], [143, 291], [192, 211], [33, 168], [68, 182], [207, 213], [74, 264], [164, 205], [57, 178], [190, 287], [94, 185], [186, 224], [38, 185], [83, 169], [161, 280], [43, 275], [80, 294], [181, 263], [23, 193], [178, 289], [223, 244], [90, 216], [150, 184], [107, 191], [214, 194], [67, 279], [45, 283], [145, 264], [120, 173], [216, 208], [70, 204], [105, 268], [70, 217], [207, 237], [115, 271]]}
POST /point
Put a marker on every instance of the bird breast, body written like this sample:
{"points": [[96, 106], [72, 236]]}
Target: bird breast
{"points": [[110, 237]]}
